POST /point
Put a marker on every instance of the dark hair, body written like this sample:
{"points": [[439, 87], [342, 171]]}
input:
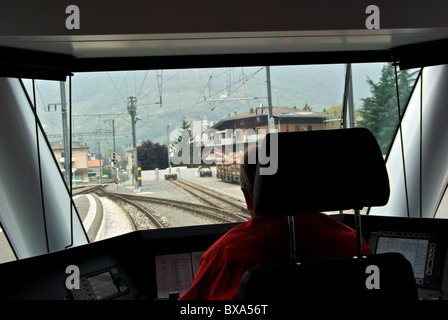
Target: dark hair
{"points": [[248, 170]]}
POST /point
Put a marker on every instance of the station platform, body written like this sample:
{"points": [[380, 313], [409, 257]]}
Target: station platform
{"points": [[93, 211], [90, 209]]}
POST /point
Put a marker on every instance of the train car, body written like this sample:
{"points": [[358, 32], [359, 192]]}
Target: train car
{"points": [[228, 172], [204, 171], [382, 67], [228, 168], [227, 164]]}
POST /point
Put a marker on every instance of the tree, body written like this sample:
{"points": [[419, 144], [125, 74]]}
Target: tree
{"points": [[185, 129], [179, 145], [335, 116], [379, 113], [107, 171], [151, 156]]}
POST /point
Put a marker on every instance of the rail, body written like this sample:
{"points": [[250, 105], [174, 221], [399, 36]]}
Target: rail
{"points": [[213, 198], [116, 197]]}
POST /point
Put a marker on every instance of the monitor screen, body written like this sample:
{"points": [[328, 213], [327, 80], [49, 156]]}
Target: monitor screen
{"points": [[103, 285], [414, 250], [423, 250]]}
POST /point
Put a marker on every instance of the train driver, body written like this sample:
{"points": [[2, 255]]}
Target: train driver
{"points": [[264, 240]]}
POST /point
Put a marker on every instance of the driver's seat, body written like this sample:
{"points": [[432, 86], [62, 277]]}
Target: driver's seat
{"points": [[337, 170]]}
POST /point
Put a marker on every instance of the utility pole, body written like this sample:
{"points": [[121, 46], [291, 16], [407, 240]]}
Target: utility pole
{"points": [[168, 145], [347, 105], [271, 123], [159, 83], [65, 134], [100, 164], [113, 133], [114, 166], [132, 109]]}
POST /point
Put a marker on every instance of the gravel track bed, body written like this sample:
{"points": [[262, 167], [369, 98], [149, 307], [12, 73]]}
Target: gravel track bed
{"points": [[115, 221], [141, 220], [219, 200], [175, 216]]}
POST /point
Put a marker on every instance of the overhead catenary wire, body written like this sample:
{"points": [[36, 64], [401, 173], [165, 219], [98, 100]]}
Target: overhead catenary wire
{"points": [[119, 82], [118, 89], [241, 82]]}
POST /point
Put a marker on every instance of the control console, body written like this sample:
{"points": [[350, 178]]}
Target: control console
{"points": [[101, 285]]}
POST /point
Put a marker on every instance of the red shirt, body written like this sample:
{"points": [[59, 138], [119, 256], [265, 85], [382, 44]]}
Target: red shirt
{"points": [[264, 240]]}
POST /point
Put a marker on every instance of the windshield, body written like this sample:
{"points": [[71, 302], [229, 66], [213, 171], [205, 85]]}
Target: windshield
{"points": [[164, 140]]}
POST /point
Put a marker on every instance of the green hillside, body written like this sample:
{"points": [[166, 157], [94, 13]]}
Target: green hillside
{"points": [[99, 99]]}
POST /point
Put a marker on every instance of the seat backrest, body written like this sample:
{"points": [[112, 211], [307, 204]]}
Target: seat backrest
{"points": [[325, 171], [386, 277], [321, 171]]}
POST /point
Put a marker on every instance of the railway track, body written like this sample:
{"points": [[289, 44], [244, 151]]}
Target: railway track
{"points": [[213, 198], [210, 212], [140, 210], [85, 189], [140, 217]]}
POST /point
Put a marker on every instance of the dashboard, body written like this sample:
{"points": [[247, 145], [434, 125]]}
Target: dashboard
{"points": [[160, 264]]}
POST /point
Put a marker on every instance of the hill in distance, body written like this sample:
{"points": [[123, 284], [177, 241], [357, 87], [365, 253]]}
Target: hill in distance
{"points": [[100, 100]]}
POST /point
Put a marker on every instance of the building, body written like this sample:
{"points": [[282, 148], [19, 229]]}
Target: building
{"points": [[254, 123], [285, 118], [219, 140], [95, 167], [79, 158]]}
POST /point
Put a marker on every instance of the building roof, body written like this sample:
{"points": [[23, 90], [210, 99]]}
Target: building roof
{"points": [[277, 112], [59, 145]]}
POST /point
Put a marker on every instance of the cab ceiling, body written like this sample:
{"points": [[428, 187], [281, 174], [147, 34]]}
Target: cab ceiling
{"points": [[117, 35]]}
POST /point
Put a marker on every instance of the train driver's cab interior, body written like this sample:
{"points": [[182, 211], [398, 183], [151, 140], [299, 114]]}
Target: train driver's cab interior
{"points": [[124, 125]]}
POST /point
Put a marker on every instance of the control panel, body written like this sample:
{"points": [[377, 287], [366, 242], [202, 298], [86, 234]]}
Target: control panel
{"points": [[101, 285], [145, 265], [421, 249]]}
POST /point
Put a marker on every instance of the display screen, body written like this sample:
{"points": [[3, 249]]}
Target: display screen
{"points": [[414, 250], [103, 285]]}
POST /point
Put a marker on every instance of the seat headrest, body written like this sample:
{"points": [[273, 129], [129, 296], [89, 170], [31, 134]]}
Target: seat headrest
{"points": [[319, 171]]}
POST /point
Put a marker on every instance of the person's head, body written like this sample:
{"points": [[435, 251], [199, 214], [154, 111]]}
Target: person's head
{"points": [[247, 177]]}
